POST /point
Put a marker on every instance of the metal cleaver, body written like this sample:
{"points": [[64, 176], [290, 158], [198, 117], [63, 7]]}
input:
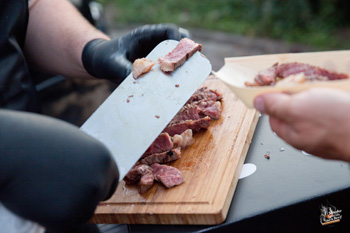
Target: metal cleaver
{"points": [[132, 117]]}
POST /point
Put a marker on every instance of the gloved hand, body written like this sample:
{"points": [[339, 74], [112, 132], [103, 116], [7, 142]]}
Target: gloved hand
{"points": [[113, 59], [51, 172]]}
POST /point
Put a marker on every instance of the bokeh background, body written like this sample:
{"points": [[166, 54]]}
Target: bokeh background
{"points": [[323, 24], [226, 28]]}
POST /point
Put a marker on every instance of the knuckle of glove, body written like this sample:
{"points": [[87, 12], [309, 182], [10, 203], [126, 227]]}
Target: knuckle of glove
{"points": [[172, 31], [142, 40], [106, 59]]}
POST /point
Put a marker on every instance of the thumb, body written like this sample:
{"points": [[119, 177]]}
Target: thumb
{"points": [[142, 40], [121, 69], [274, 104]]}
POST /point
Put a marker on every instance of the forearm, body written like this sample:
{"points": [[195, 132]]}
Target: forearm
{"points": [[56, 36]]}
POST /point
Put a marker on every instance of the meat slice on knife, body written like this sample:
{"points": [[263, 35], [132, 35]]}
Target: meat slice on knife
{"points": [[167, 175], [183, 51], [141, 66]]}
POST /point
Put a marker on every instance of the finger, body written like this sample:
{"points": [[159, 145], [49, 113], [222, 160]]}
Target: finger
{"points": [[286, 132], [169, 31], [279, 127], [274, 104], [142, 40], [120, 70], [185, 33], [158, 32]]}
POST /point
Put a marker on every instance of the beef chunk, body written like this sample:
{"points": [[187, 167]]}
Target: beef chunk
{"points": [[197, 110], [182, 126], [142, 175], [204, 103], [183, 51], [183, 140], [136, 172], [270, 76], [162, 143], [267, 77], [187, 112], [196, 113], [287, 69], [163, 157], [205, 94], [209, 108], [146, 182], [167, 175]]}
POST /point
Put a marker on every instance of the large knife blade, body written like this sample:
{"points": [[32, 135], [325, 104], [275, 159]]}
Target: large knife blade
{"points": [[136, 112]]}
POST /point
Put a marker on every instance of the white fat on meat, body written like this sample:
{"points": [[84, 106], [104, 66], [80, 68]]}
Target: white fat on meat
{"points": [[184, 140], [142, 66]]}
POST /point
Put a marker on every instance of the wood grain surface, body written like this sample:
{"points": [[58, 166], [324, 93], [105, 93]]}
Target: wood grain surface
{"points": [[210, 167]]}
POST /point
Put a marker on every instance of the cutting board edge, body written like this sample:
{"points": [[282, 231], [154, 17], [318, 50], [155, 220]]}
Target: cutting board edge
{"points": [[254, 121], [166, 218]]}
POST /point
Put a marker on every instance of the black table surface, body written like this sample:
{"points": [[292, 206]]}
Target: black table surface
{"points": [[283, 195]]}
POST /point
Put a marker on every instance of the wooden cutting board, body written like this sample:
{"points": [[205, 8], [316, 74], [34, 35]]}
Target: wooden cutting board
{"points": [[210, 167]]}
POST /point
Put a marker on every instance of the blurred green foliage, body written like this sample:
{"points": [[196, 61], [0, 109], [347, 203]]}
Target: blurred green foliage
{"points": [[319, 23]]}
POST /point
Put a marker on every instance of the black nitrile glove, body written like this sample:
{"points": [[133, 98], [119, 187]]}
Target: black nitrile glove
{"points": [[113, 59], [51, 172]]}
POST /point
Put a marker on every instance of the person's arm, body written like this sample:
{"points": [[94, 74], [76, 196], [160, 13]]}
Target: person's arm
{"points": [[51, 172], [56, 36], [60, 41], [316, 121]]}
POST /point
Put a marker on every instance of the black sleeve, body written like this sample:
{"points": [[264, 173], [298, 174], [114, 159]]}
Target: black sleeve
{"points": [[50, 171]]}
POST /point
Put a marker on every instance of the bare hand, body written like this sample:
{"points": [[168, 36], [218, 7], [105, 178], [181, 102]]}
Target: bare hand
{"points": [[316, 121]]}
